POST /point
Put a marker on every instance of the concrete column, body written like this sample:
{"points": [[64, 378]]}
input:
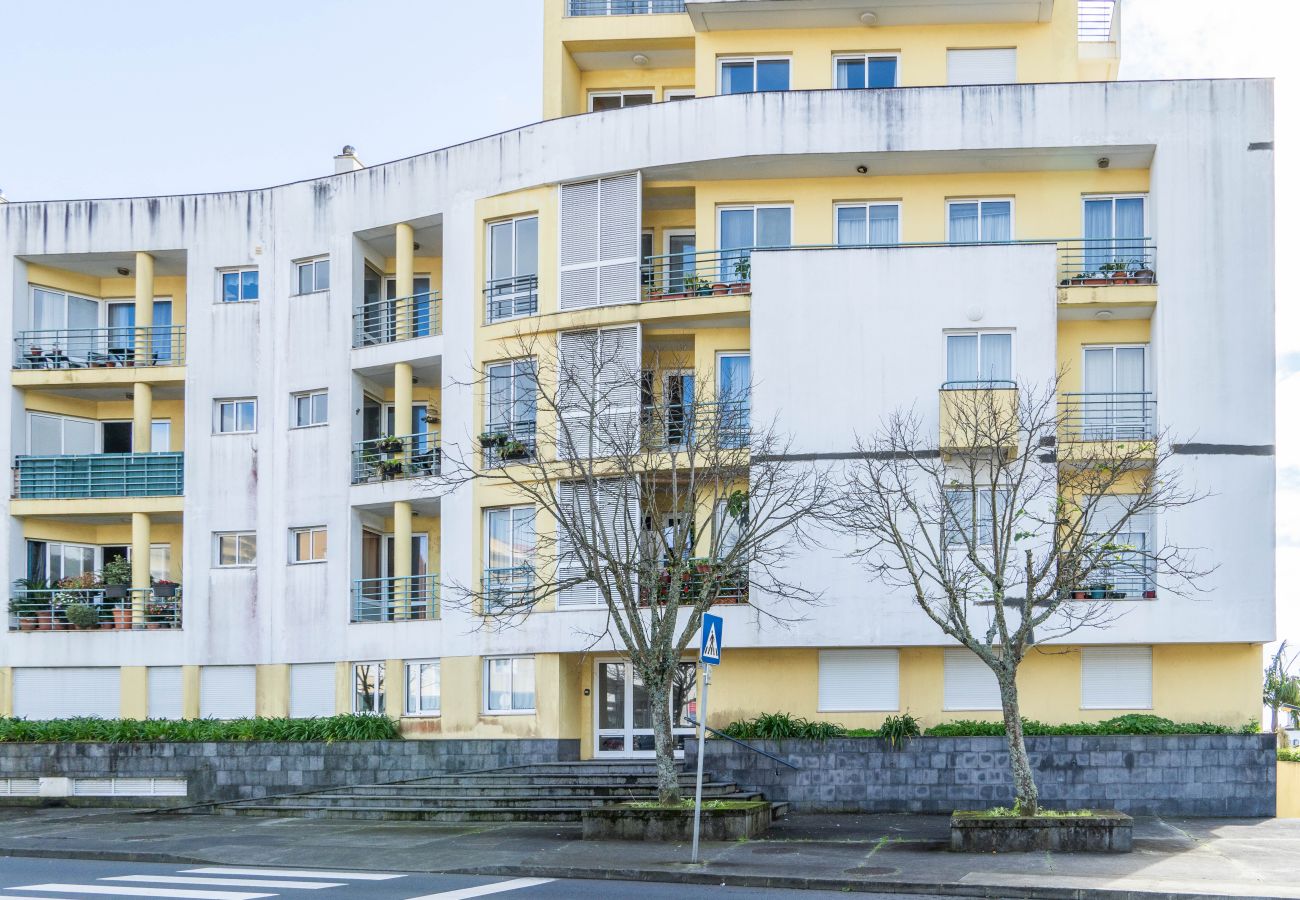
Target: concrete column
{"points": [[144, 292], [272, 691], [402, 558], [343, 687], [141, 538], [142, 417], [405, 286], [403, 397], [191, 691], [394, 688], [6, 691], [135, 692]]}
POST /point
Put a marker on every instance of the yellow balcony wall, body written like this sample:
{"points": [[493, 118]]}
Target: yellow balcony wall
{"points": [[978, 419]]}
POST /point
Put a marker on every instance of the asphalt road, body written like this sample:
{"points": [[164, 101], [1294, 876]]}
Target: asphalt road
{"points": [[68, 879]]}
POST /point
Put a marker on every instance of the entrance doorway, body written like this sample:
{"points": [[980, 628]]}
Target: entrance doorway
{"points": [[624, 726]]}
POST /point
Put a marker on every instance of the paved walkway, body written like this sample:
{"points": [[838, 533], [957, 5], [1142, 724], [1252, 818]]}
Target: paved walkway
{"points": [[896, 854]]}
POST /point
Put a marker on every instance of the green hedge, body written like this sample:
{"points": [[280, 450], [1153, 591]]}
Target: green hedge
{"points": [[192, 731], [1288, 754], [780, 726]]}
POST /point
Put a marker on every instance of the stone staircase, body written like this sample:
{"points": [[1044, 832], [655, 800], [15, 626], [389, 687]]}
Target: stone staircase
{"points": [[548, 792]]}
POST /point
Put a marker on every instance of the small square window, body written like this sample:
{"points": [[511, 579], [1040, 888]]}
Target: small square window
{"points": [[309, 544], [510, 685], [235, 416], [313, 275], [236, 549], [310, 408], [239, 285], [368, 688], [424, 688]]}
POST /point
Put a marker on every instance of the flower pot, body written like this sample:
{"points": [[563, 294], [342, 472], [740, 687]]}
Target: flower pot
{"points": [[1148, 595], [115, 591], [740, 287], [44, 620], [1079, 595], [164, 590], [1144, 276], [122, 617], [1096, 282], [672, 295], [27, 623], [1116, 595], [1097, 594], [721, 289], [154, 626]]}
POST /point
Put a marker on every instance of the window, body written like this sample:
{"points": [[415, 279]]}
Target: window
{"points": [[55, 310], [1115, 404], [509, 539], [858, 224], [310, 408], [680, 94], [235, 549], [239, 285], [512, 268], [733, 395], [511, 409], [728, 527], [857, 680], [979, 221], [50, 435], [313, 275], [968, 683], [996, 66], [978, 359], [599, 101], [1116, 678], [872, 70], [958, 503], [1114, 229], [745, 76], [744, 227], [309, 544], [1127, 567], [509, 685], [368, 688], [423, 688], [235, 416]]}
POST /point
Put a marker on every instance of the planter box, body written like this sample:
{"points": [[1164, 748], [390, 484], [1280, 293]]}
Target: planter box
{"points": [[1105, 831], [746, 819]]}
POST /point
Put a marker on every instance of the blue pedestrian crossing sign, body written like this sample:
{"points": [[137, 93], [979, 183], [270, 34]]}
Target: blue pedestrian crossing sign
{"points": [[711, 640]]}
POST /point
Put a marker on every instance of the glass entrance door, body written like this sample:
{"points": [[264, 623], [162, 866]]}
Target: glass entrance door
{"points": [[624, 726]]}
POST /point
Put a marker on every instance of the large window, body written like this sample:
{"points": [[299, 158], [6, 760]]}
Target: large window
{"points": [[599, 101], [858, 224], [309, 544], [235, 416], [1113, 232], [424, 688], [235, 549], [741, 228], [509, 540], [310, 408], [870, 70], [238, 285], [50, 435], [749, 74], [1126, 570], [958, 518], [983, 221], [978, 359], [512, 268], [312, 275], [368, 688], [55, 310], [511, 411], [509, 685]]}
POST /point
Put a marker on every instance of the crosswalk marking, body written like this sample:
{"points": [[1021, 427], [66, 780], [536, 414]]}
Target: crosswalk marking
{"points": [[483, 890], [228, 882], [291, 873], [122, 890]]}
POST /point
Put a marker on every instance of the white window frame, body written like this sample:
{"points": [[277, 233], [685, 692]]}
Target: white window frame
{"points": [[237, 270], [621, 94], [513, 222], [866, 56], [754, 61], [516, 563], [221, 402], [1144, 196], [238, 536], [487, 693], [101, 304], [979, 351], [860, 204], [63, 434], [310, 397], [412, 709], [313, 261], [380, 694], [679, 94], [310, 530], [947, 216], [725, 207]]}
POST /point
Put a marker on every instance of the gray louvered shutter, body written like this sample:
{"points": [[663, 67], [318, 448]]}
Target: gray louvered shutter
{"points": [[577, 392], [996, 66], [617, 502], [579, 245], [600, 242], [619, 388]]}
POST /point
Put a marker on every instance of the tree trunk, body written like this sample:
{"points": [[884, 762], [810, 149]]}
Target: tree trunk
{"points": [[1021, 774], [670, 793]]}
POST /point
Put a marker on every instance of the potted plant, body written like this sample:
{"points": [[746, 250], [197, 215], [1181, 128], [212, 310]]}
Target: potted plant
{"points": [[157, 615], [390, 469], [1097, 591], [1079, 595], [81, 616], [513, 449], [164, 588], [741, 268], [698, 286], [35, 593], [1149, 594], [490, 439], [433, 417], [24, 608], [116, 578], [389, 444], [71, 591], [1142, 273]]}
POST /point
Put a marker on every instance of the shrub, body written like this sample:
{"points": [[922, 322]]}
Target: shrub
{"points": [[1288, 754], [1133, 723], [779, 726], [116, 731], [897, 729]]}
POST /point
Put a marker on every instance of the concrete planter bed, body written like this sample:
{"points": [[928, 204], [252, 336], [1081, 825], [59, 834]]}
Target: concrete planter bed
{"points": [[736, 821], [1104, 831]]}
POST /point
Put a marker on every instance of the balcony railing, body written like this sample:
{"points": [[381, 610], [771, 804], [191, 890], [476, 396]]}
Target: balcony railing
{"points": [[1097, 19], [92, 609], [395, 599], [1101, 262], [397, 456], [507, 443], [623, 7], [1119, 581], [402, 319], [711, 273], [510, 298], [100, 348], [99, 475], [507, 588], [731, 590], [684, 425], [1125, 416]]}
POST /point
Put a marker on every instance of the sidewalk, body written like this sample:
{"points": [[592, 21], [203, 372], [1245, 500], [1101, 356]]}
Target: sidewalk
{"points": [[887, 853]]}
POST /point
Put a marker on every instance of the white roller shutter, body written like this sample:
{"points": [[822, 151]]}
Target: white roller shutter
{"points": [[311, 690], [1116, 678], [967, 682], [600, 391], [63, 693], [857, 680], [600, 242], [619, 508], [982, 66], [166, 699], [228, 692]]}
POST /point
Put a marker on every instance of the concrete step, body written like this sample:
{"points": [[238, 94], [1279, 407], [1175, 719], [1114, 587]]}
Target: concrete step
{"points": [[488, 780], [587, 767], [352, 801], [431, 791], [401, 814]]}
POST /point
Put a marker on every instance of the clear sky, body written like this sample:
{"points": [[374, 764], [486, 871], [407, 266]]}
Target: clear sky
{"points": [[158, 96]]}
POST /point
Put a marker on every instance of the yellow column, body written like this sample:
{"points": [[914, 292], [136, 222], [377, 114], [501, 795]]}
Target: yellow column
{"points": [[190, 689], [141, 538], [343, 687], [405, 286], [143, 308], [403, 397], [402, 558], [134, 702], [272, 691], [6, 691], [142, 417], [394, 688]]}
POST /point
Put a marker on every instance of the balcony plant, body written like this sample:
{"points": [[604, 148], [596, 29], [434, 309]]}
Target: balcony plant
{"points": [[490, 439], [1117, 272], [25, 608], [390, 469], [698, 286], [741, 268], [389, 444], [159, 614], [116, 577], [81, 616], [35, 592], [164, 588], [513, 449]]}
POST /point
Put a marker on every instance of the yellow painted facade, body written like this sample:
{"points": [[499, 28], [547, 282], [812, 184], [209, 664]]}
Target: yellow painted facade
{"points": [[1288, 790]]}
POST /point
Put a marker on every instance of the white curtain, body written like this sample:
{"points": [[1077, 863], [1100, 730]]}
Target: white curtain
{"points": [[884, 224], [1098, 229], [1130, 226], [963, 222], [995, 357], [995, 220], [773, 227], [963, 357], [852, 230], [1130, 369]]}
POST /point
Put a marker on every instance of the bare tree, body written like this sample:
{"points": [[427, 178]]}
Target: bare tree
{"points": [[1021, 519], [653, 503]]}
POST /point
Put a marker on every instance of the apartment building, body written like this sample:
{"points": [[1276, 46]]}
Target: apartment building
{"points": [[830, 209]]}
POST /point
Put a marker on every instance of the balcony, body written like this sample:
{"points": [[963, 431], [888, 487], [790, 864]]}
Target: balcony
{"points": [[700, 273], [979, 415], [510, 442], [729, 591], [100, 475], [401, 319], [100, 348], [405, 599], [395, 457], [506, 589], [92, 609], [682, 426], [509, 298], [622, 7], [1125, 416], [1098, 21], [1118, 274]]}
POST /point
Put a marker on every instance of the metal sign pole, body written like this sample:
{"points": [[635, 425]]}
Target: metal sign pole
{"points": [[699, 765]]}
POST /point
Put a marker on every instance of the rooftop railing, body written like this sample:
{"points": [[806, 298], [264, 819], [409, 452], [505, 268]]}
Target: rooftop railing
{"points": [[99, 475], [1112, 416], [623, 7], [94, 609], [509, 298], [400, 319], [1097, 19], [100, 348], [395, 599], [392, 457], [1101, 262]]}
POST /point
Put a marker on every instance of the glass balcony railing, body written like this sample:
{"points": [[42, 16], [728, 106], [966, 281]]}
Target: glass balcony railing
{"points": [[394, 599], [510, 298], [100, 348], [1123, 416], [623, 7], [99, 475], [397, 456], [402, 319], [106, 608]]}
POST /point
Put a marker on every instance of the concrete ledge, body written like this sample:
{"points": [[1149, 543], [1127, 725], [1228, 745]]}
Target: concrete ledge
{"points": [[1107, 831], [621, 822]]}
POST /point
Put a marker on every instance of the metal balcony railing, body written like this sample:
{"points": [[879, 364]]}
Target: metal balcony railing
{"points": [[681, 425], [100, 348], [1097, 19], [1124, 416], [623, 7], [1100, 262], [731, 590], [1121, 580], [510, 298], [507, 588], [397, 456], [99, 475], [508, 442], [93, 609], [979, 384], [700, 273], [395, 599], [401, 319]]}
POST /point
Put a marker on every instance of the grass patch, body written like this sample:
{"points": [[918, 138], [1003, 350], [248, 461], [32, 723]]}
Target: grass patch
{"points": [[1013, 812], [193, 731], [689, 803]]}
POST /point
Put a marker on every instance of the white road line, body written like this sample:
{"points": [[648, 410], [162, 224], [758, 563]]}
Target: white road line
{"points": [[171, 893], [484, 889], [291, 873], [228, 882]]}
